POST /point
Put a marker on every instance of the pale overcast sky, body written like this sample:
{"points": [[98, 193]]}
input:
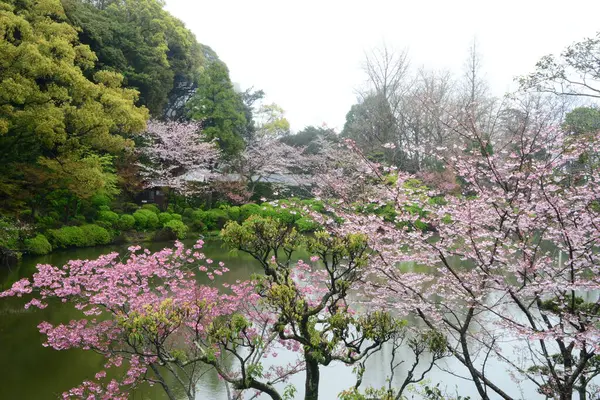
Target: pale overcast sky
{"points": [[306, 55]]}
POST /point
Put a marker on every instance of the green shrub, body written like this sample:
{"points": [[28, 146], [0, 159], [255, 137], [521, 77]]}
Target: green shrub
{"points": [[249, 209], [46, 222], [234, 213], [67, 236], [130, 207], [141, 219], [287, 215], [109, 217], [145, 219], [176, 217], [178, 228], [151, 207], [164, 217], [77, 220], [38, 245], [437, 200], [315, 205], [79, 236], [188, 213], [104, 224], [104, 208], [197, 220], [306, 225], [215, 219], [153, 221], [9, 234], [209, 220], [99, 200], [126, 222], [420, 225], [95, 235]]}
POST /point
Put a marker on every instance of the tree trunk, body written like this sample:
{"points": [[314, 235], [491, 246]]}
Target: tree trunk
{"points": [[162, 382], [566, 395], [312, 378]]}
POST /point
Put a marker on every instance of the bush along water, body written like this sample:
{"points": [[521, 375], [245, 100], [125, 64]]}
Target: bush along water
{"points": [[100, 223]]}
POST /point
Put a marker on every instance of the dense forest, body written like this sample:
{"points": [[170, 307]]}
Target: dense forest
{"points": [[444, 223]]}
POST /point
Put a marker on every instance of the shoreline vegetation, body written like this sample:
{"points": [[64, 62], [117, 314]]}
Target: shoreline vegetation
{"points": [[149, 224]]}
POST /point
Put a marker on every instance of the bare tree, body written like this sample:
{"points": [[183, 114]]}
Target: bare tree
{"points": [[576, 72]]}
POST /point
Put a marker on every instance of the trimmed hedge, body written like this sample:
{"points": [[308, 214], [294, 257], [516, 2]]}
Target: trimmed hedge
{"points": [[38, 245], [151, 207], [178, 228], [146, 219], [126, 222], [110, 217], [79, 236]]}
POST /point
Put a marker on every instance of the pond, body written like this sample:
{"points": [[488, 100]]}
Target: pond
{"points": [[31, 371]]}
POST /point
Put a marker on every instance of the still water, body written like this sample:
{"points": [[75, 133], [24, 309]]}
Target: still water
{"points": [[30, 371]]}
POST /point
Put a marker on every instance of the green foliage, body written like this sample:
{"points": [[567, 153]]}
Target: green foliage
{"points": [[60, 121], [188, 214], [306, 224], [315, 205], [9, 234], [137, 38], [309, 138], [126, 222], [145, 219], [100, 200], [220, 108], [151, 207], [249, 209], [261, 235], [129, 207], [95, 235], [79, 236], [370, 393], [110, 217], [214, 219], [272, 122], [435, 393], [285, 215], [164, 218], [38, 245], [178, 228], [234, 213], [47, 221], [197, 220], [177, 217], [582, 120]]}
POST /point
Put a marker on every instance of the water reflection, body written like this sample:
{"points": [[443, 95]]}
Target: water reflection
{"points": [[30, 371]]}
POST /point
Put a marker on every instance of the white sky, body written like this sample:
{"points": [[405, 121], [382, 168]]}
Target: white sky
{"points": [[306, 55]]}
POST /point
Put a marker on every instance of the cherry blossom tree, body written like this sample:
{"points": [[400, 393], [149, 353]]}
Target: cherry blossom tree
{"points": [[267, 158], [510, 262], [176, 155], [150, 314]]}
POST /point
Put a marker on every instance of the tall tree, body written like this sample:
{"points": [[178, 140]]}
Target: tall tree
{"points": [[153, 50], [59, 118], [220, 108]]}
